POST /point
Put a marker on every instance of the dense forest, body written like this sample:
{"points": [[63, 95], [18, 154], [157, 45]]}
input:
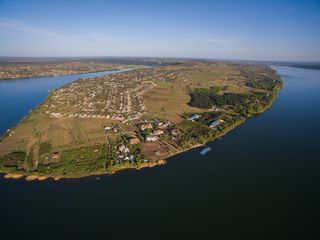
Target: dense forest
{"points": [[245, 103]]}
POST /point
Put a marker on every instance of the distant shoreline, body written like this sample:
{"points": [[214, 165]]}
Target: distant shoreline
{"points": [[59, 75], [313, 67]]}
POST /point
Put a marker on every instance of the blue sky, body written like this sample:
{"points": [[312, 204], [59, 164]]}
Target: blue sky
{"points": [[255, 30]]}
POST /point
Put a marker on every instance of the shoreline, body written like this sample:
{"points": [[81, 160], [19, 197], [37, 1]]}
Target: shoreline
{"points": [[58, 75], [137, 166], [33, 177]]}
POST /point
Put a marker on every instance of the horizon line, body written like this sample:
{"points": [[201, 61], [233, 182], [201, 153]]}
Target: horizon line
{"points": [[158, 57]]}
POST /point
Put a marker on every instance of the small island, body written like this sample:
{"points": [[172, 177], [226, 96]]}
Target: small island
{"points": [[134, 119]]}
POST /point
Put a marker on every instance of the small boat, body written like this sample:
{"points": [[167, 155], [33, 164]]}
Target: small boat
{"points": [[205, 150]]}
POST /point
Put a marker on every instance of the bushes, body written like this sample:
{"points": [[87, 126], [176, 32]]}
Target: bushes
{"points": [[194, 133], [78, 162], [13, 160], [45, 147]]}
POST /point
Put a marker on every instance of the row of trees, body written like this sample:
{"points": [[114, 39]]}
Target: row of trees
{"points": [[12, 161]]}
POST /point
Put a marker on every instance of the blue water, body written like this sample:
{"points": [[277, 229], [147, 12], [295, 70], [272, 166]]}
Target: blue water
{"points": [[261, 181], [17, 97]]}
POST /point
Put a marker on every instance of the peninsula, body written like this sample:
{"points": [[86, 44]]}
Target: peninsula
{"points": [[135, 119]]}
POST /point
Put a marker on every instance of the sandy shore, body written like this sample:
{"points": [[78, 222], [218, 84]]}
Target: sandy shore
{"points": [[35, 177], [28, 178], [13, 176]]}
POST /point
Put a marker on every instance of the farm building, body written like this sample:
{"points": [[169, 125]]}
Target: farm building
{"points": [[151, 138], [158, 132], [194, 117], [134, 140], [214, 123], [146, 126]]}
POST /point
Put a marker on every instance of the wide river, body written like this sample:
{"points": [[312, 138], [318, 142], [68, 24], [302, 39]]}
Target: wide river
{"points": [[261, 181]]}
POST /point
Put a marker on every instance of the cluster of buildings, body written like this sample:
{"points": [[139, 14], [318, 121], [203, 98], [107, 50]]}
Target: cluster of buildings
{"points": [[150, 131], [124, 154], [153, 131], [52, 69], [116, 97], [212, 124]]}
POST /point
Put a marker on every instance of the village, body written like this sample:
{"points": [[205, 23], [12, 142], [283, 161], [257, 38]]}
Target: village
{"points": [[26, 70], [120, 98], [115, 97]]}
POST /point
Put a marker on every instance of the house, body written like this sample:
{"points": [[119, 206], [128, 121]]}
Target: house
{"points": [[151, 138], [124, 149], [121, 148], [55, 156], [194, 117], [159, 123], [146, 126], [158, 132], [174, 132], [165, 125], [134, 140], [106, 128], [214, 124]]}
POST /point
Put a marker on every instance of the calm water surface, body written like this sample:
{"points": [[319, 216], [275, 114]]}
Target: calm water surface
{"points": [[262, 181]]}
